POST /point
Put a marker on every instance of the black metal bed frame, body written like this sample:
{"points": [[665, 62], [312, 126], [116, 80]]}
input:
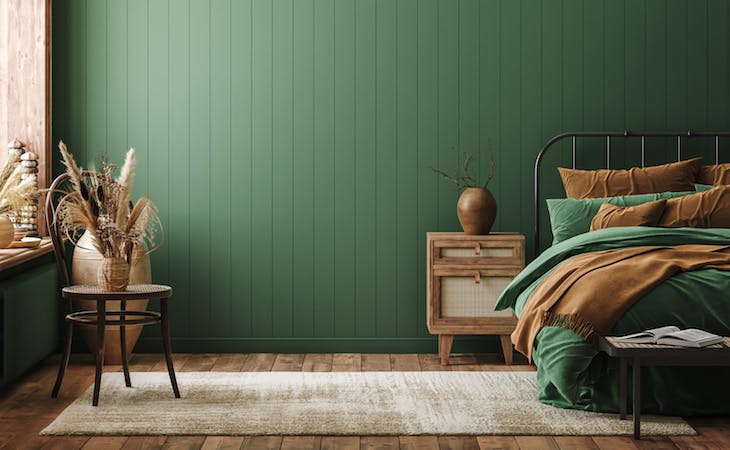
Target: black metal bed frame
{"points": [[608, 135]]}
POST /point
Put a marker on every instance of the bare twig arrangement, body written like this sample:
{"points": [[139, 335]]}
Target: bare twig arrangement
{"points": [[101, 204], [15, 192], [462, 176]]}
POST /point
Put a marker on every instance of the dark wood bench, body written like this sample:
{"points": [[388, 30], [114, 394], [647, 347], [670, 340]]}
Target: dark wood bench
{"points": [[656, 355]]}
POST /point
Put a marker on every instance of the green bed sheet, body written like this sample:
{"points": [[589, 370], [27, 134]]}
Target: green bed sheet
{"points": [[573, 374]]}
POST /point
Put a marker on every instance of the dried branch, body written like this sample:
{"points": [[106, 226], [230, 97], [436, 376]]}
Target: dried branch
{"points": [[463, 177]]}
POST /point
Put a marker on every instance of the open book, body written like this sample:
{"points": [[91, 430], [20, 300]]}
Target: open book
{"points": [[671, 335]]}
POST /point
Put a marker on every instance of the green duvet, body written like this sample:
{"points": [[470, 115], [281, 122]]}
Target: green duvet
{"points": [[573, 374]]}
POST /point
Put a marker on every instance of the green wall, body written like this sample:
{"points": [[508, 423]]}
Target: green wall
{"points": [[287, 143]]}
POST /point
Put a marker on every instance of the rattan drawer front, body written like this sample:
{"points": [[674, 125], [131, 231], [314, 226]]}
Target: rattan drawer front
{"points": [[495, 252], [463, 297], [483, 252]]}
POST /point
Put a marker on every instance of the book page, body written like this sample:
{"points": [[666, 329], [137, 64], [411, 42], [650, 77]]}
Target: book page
{"points": [[692, 334], [654, 333]]}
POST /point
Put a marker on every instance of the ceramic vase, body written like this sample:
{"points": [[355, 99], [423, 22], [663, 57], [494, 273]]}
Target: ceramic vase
{"points": [[7, 231], [85, 270], [477, 210]]}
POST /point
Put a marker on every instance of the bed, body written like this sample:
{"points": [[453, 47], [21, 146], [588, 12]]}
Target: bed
{"points": [[570, 370]]}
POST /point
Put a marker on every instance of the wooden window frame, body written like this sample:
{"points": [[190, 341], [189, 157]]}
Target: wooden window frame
{"points": [[25, 83]]}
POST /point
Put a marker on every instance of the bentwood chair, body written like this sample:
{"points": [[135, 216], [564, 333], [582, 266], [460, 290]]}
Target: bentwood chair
{"points": [[100, 318]]}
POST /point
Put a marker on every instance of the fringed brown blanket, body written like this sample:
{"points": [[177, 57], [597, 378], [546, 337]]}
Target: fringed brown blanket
{"points": [[590, 292]]}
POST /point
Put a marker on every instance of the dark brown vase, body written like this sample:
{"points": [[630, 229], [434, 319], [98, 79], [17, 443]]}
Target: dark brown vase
{"points": [[477, 210]]}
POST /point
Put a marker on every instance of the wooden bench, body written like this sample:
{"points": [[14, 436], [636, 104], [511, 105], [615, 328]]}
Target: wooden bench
{"points": [[656, 355]]}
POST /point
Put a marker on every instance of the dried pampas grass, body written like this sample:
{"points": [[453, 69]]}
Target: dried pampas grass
{"points": [[15, 192], [101, 204]]}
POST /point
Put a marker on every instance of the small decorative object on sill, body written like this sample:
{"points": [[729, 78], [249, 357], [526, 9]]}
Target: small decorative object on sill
{"points": [[100, 205], [16, 192], [29, 213], [476, 207]]}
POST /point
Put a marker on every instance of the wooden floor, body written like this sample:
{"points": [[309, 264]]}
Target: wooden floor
{"points": [[26, 408]]}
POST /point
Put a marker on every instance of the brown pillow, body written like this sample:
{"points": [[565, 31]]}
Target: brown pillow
{"points": [[646, 214], [708, 209], [674, 177], [715, 174]]}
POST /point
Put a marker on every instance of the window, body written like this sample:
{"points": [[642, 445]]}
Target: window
{"points": [[25, 81]]}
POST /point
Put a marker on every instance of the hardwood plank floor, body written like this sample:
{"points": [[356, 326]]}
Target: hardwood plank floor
{"points": [[26, 408]]}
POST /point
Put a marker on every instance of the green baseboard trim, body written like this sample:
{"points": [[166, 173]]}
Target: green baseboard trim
{"points": [[462, 344]]}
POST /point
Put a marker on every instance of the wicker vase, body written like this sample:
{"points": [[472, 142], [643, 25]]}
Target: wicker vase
{"points": [[7, 231], [114, 274], [85, 270]]}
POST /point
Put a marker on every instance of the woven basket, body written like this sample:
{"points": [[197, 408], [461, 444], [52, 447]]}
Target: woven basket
{"points": [[114, 274]]}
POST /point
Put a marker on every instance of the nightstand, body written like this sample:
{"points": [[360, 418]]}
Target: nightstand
{"points": [[466, 275]]}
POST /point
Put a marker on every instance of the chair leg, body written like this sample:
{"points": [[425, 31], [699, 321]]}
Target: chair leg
{"points": [[123, 344], [64, 359], [166, 345], [100, 323]]}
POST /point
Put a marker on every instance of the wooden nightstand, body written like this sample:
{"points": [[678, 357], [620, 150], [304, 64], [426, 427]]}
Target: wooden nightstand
{"points": [[466, 275]]}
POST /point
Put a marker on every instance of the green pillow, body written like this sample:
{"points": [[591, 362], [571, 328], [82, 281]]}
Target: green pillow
{"points": [[570, 217]]}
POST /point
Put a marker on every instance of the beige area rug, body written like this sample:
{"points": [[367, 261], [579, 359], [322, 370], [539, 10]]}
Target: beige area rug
{"points": [[337, 403]]}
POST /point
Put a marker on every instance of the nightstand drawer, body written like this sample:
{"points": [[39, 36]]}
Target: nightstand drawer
{"points": [[465, 297], [506, 251]]}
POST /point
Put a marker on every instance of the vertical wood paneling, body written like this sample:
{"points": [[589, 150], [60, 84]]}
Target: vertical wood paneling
{"points": [[427, 104], [288, 143], [158, 104], [178, 228], [407, 172], [117, 84], [220, 167], [283, 168], [489, 88], [303, 173], [95, 74], [385, 166], [262, 167], [242, 168], [448, 106], [324, 158], [531, 94], [508, 148], [718, 106], [365, 151], [199, 170], [344, 169], [655, 79], [551, 108], [613, 64]]}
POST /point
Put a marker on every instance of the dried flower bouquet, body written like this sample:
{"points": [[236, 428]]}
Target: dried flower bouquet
{"points": [[15, 192], [99, 203]]}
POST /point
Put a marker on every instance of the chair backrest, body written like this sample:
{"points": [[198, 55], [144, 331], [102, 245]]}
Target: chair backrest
{"points": [[54, 231]]}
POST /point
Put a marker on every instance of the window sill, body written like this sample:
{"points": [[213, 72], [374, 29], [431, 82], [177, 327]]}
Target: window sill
{"points": [[11, 257]]}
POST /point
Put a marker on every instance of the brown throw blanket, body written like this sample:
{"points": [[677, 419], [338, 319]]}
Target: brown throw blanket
{"points": [[589, 293]]}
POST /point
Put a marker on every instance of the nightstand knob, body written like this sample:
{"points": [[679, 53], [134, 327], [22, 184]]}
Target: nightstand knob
{"points": [[477, 249], [477, 277]]}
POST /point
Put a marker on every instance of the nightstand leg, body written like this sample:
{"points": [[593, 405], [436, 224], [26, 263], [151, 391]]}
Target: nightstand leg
{"points": [[622, 387], [637, 397], [506, 342], [445, 341]]}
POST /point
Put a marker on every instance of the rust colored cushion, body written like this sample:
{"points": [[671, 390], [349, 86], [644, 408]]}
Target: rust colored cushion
{"points": [[715, 174], [647, 215], [708, 209], [674, 177]]}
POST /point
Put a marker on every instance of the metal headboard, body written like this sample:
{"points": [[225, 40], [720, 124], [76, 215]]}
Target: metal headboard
{"points": [[608, 135]]}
